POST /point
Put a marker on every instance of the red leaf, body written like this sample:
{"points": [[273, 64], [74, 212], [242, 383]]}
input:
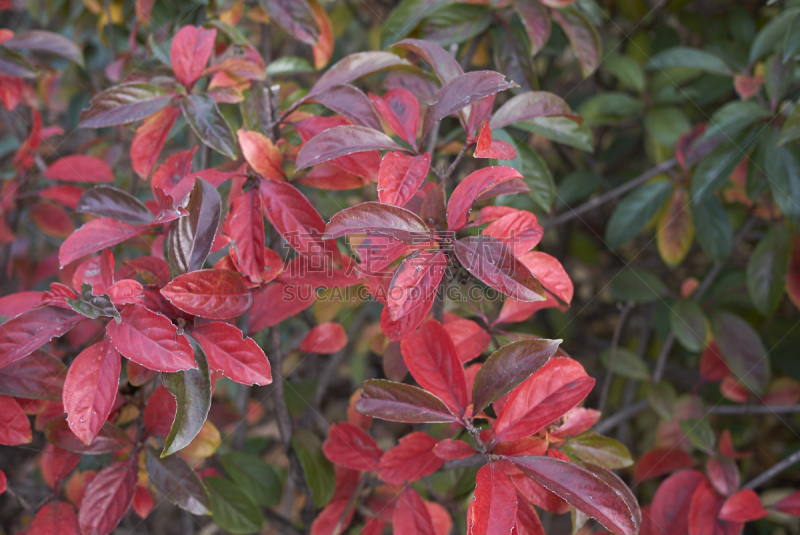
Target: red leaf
{"points": [[378, 218], [527, 521], [80, 168], [15, 429], [415, 282], [538, 495], [51, 219], [442, 522], [658, 462], [348, 445], [142, 501], [462, 91], [704, 513], [325, 338], [519, 448], [37, 377], [723, 474], [491, 262], [296, 219], [469, 338], [170, 173], [290, 300], [350, 102], [151, 340], [744, 506], [400, 176], [712, 365], [150, 138], [56, 464], [398, 402], [323, 48], [355, 66], [330, 177], [410, 460], [400, 108], [262, 155], [191, 48], [159, 413], [245, 226], [27, 332], [584, 490], [449, 449], [726, 447], [672, 500], [108, 498], [126, 291], [331, 516], [432, 360], [55, 518], [472, 187], [550, 273], [519, 231], [488, 148], [411, 517], [66, 194], [548, 394], [789, 505], [12, 305], [240, 360], [341, 141], [94, 236], [493, 509], [3, 482], [443, 64], [91, 388], [529, 106], [210, 293]]}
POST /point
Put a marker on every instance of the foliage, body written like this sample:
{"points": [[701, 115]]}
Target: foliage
{"points": [[285, 208]]}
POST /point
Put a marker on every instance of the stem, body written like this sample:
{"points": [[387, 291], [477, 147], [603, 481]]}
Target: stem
{"points": [[279, 522], [775, 470], [613, 194], [754, 409], [614, 344], [618, 417]]}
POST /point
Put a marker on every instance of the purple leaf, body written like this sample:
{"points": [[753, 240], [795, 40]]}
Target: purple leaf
{"points": [[341, 141], [398, 402], [378, 218]]}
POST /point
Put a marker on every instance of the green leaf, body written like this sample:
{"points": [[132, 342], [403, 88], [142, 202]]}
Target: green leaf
{"points": [[666, 124], [635, 210], [207, 122], [596, 449], [406, 16], [733, 117], [455, 23], [689, 324], [316, 467], [716, 168], [713, 228], [767, 268], [534, 170], [773, 33], [609, 108], [577, 186], [791, 127], [662, 398], [791, 43], [297, 395], [743, 350], [192, 391], [699, 433], [94, 306], [234, 510], [782, 171], [289, 65], [637, 285], [258, 479], [690, 58], [626, 364], [561, 130], [178, 481], [627, 70]]}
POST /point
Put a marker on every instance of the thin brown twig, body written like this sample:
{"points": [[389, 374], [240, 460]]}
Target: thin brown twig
{"points": [[624, 311]]}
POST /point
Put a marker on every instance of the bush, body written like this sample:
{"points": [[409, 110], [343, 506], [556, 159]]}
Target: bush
{"points": [[181, 326]]}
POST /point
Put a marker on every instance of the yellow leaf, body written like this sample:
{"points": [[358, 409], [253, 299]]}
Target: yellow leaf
{"points": [[205, 444], [258, 15], [323, 49], [675, 228], [233, 15]]}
